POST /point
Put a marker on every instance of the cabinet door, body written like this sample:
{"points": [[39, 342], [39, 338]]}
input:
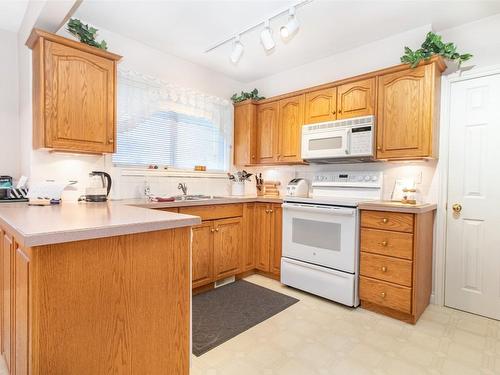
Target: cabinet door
{"points": [[276, 243], [227, 247], [245, 118], [262, 236], [356, 99], [321, 105], [291, 119], [202, 257], [21, 343], [7, 250], [267, 132], [248, 257], [79, 100], [404, 124]]}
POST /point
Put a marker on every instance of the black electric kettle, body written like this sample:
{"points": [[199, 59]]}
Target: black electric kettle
{"points": [[100, 186]]}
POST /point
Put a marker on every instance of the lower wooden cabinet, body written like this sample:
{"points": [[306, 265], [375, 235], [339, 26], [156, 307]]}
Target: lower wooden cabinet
{"points": [[268, 237], [217, 250], [232, 245], [7, 298], [396, 262]]}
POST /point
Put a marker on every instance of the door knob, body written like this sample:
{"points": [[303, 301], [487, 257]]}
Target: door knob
{"points": [[457, 208]]}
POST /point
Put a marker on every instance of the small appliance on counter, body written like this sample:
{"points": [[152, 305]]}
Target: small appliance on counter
{"points": [[298, 187], [100, 186], [9, 194]]}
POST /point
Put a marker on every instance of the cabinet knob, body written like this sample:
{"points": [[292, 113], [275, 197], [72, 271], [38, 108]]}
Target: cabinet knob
{"points": [[385, 220], [267, 211], [111, 141], [253, 156], [212, 230], [271, 211], [384, 269], [216, 229], [379, 148], [384, 243], [334, 112], [382, 294]]}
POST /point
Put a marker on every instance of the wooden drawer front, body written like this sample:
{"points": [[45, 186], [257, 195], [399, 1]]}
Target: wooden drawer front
{"points": [[387, 220], [385, 294], [386, 268], [214, 212], [395, 244]]}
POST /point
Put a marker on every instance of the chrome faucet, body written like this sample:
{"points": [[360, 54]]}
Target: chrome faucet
{"points": [[182, 186]]}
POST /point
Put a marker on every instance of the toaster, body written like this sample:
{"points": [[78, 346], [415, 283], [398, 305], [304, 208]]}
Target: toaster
{"points": [[298, 187]]}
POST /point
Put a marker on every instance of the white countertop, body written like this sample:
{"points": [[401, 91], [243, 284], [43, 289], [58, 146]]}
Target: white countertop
{"points": [[68, 222]]}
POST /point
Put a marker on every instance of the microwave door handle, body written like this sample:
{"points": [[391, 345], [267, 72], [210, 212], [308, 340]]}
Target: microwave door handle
{"points": [[347, 149], [319, 209]]}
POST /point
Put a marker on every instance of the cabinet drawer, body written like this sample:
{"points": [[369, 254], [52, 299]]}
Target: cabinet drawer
{"points": [[214, 212], [395, 270], [387, 220], [395, 244], [385, 294]]}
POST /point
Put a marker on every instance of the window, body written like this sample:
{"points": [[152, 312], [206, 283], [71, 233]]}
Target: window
{"points": [[167, 126]]}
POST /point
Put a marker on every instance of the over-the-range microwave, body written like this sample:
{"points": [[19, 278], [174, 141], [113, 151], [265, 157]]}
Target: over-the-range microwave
{"points": [[349, 140]]}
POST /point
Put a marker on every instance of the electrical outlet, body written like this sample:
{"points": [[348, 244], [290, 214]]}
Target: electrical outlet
{"points": [[418, 178]]}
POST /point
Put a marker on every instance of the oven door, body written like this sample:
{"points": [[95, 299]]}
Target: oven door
{"points": [[322, 235], [326, 144]]}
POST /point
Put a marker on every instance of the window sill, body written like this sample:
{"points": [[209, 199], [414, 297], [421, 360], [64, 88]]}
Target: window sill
{"points": [[144, 172]]}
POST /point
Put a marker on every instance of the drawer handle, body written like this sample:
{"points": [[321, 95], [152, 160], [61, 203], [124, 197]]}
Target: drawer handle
{"points": [[384, 269], [382, 294], [385, 220], [385, 243]]}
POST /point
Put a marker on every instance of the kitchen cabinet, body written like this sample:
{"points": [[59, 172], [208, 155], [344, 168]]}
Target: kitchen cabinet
{"points": [[396, 262], [321, 105], [245, 133], [291, 119], [267, 132], [202, 254], [7, 298], [74, 95], [408, 112], [356, 99], [227, 246], [21, 327], [248, 256], [268, 227]]}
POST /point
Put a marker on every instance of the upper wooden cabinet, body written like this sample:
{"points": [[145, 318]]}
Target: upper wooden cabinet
{"points": [[356, 99], [321, 105], [74, 95], [245, 133], [267, 133], [291, 119], [408, 113]]}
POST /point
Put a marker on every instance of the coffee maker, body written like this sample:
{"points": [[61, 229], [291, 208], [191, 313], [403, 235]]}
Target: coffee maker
{"points": [[99, 188]]}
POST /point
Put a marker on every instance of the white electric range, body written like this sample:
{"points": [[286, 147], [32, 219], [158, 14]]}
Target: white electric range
{"points": [[320, 235]]}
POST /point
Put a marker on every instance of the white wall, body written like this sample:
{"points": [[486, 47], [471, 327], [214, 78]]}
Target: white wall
{"points": [[42, 165], [9, 120]]}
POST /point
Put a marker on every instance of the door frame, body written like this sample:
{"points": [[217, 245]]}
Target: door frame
{"points": [[441, 224]]}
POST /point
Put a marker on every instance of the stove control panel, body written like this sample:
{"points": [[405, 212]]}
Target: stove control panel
{"points": [[349, 177]]}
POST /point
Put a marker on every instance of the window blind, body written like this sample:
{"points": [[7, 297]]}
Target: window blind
{"points": [[152, 129]]}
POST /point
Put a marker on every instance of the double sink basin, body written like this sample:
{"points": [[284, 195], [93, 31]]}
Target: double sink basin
{"points": [[196, 197]]}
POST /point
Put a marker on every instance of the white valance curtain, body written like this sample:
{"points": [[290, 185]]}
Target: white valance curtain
{"points": [[140, 96]]}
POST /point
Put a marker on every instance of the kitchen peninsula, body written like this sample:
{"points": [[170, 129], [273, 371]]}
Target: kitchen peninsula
{"points": [[95, 288]]}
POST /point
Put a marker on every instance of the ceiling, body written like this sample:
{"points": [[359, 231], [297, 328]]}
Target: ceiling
{"points": [[187, 28], [11, 14]]}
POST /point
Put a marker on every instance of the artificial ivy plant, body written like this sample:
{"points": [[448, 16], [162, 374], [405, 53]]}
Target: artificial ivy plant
{"points": [[434, 45], [254, 95], [85, 33]]}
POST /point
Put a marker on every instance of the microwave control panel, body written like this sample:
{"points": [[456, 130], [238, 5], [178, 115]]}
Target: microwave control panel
{"points": [[362, 140]]}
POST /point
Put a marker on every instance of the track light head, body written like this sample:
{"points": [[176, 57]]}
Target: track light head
{"points": [[266, 37], [292, 26], [237, 51]]}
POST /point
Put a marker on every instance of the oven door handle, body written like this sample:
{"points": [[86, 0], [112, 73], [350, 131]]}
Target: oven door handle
{"points": [[319, 209]]}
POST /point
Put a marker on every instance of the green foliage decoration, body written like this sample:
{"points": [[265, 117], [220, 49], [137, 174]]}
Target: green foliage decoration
{"points": [[254, 95], [85, 33], [434, 45]]}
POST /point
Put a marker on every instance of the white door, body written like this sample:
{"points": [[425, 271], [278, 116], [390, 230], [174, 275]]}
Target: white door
{"points": [[473, 232]]}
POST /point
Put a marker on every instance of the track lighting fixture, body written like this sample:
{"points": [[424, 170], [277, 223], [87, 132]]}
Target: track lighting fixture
{"points": [[291, 27], [266, 37], [237, 50]]}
